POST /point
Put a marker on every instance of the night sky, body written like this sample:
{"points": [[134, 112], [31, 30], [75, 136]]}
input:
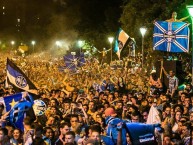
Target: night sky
{"points": [[24, 20], [46, 21]]}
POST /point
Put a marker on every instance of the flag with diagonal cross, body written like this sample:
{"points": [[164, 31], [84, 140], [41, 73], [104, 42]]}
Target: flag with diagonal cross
{"points": [[171, 36]]}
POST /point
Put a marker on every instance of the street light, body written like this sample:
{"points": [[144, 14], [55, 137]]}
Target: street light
{"points": [[80, 44], [190, 10], [111, 42], [33, 43], [143, 31], [12, 43], [57, 44]]}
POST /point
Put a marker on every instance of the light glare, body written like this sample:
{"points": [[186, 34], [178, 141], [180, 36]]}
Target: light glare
{"points": [[111, 39], [143, 31], [190, 10]]}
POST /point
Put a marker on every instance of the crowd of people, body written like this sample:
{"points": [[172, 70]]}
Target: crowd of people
{"points": [[78, 103]]}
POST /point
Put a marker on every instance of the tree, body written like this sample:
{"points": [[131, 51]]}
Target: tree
{"points": [[137, 13]]}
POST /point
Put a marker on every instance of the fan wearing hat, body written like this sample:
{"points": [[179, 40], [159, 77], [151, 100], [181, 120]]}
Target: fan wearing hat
{"points": [[155, 83]]}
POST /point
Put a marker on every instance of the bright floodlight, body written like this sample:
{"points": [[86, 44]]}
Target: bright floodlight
{"points": [[111, 39], [143, 31], [57, 43], [80, 43], [190, 10], [12, 42], [33, 42]]}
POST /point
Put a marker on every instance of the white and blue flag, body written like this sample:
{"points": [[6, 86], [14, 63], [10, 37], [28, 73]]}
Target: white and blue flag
{"points": [[18, 79], [74, 62], [171, 36]]}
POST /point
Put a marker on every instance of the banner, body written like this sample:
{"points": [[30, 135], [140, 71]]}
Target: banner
{"points": [[171, 36], [18, 79], [73, 61]]}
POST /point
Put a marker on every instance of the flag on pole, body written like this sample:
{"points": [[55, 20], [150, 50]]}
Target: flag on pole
{"points": [[171, 36], [153, 116], [120, 42], [18, 79]]}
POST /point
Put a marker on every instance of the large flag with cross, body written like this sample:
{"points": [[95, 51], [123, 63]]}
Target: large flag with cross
{"points": [[171, 36], [73, 61]]}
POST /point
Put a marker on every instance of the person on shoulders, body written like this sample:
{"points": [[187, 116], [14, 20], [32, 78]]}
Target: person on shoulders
{"points": [[174, 18]]}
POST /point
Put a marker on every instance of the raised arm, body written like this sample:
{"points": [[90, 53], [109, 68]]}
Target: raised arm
{"points": [[108, 50], [85, 115], [164, 71], [182, 19]]}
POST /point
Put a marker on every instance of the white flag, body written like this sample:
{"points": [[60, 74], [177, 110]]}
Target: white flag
{"points": [[153, 116]]}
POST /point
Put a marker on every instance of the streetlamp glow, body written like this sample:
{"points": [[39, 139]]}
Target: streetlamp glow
{"points": [[12, 43], [80, 44], [190, 10], [33, 43], [111, 42], [143, 31], [57, 43]]}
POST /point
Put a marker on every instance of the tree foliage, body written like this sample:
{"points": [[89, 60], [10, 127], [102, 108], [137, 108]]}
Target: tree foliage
{"points": [[143, 13]]}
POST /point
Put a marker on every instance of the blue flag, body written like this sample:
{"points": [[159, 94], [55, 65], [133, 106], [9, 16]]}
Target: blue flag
{"points": [[17, 106], [18, 79], [120, 41], [10, 101], [171, 36], [73, 62]]}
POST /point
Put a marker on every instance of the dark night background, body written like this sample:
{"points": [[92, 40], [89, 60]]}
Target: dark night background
{"points": [[91, 20]]}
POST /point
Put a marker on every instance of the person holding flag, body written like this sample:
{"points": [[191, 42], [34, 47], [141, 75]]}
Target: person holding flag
{"points": [[174, 18], [120, 42]]}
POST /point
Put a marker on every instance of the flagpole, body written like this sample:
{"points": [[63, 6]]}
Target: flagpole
{"points": [[143, 31], [161, 70], [192, 50], [190, 10], [142, 50], [111, 42]]}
